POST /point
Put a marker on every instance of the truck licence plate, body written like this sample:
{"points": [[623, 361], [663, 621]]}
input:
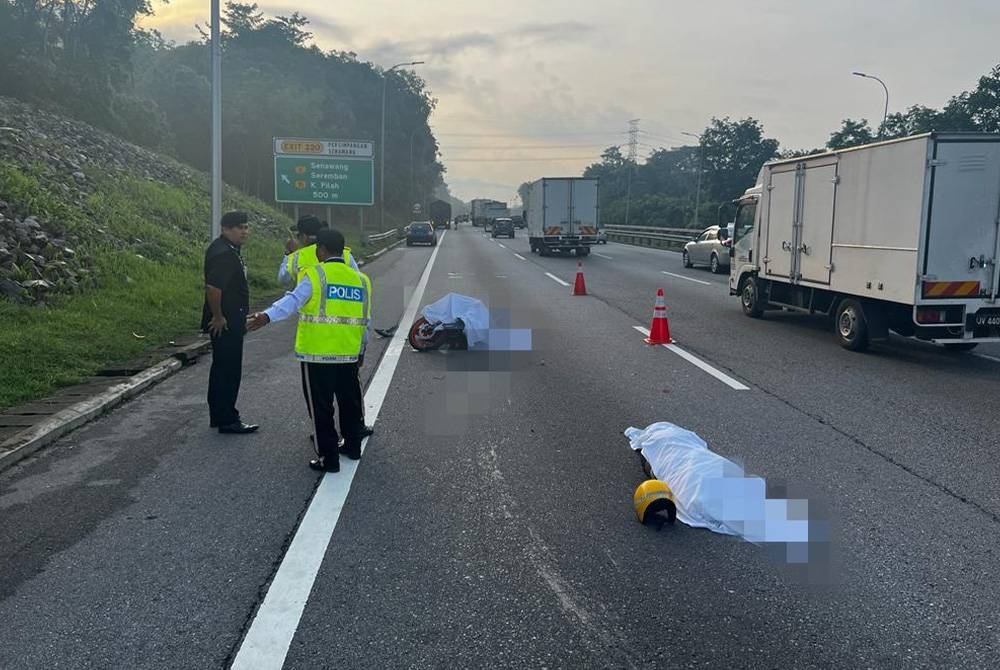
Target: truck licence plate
{"points": [[986, 323]]}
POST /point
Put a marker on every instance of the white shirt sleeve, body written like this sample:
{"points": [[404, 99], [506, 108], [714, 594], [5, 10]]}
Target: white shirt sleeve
{"points": [[354, 263], [291, 302], [284, 278]]}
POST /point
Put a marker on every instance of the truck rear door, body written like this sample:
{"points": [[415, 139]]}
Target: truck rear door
{"points": [[558, 199], [960, 258]]}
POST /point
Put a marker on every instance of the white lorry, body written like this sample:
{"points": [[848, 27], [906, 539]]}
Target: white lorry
{"points": [[902, 235], [563, 215]]}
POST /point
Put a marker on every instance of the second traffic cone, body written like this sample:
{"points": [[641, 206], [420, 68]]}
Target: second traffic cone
{"points": [[659, 329], [579, 286]]}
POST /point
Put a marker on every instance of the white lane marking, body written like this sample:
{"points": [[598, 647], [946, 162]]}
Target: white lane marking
{"points": [[520, 256], [706, 283], [603, 256], [556, 279], [694, 360], [502, 245], [988, 357], [266, 643]]}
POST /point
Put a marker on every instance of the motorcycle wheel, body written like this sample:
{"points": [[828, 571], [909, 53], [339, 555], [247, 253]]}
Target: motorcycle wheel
{"points": [[422, 336]]}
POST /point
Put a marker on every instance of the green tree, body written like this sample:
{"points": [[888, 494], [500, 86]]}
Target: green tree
{"points": [[734, 153], [851, 133]]}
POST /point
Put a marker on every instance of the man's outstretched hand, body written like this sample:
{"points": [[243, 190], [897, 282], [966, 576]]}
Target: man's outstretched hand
{"points": [[257, 320]]}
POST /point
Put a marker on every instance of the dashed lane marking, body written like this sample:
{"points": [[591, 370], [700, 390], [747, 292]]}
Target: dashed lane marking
{"points": [[694, 360], [556, 279], [671, 274]]}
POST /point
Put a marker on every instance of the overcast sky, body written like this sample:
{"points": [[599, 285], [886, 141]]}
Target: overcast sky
{"points": [[528, 89]]}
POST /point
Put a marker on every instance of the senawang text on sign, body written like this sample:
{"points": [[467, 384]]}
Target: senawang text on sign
{"points": [[324, 181], [295, 146]]}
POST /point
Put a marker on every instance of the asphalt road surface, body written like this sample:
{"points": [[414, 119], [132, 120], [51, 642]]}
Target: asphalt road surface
{"points": [[489, 523]]}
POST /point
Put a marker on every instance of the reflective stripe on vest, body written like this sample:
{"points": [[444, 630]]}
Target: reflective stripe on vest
{"points": [[333, 321], [305, 258]]}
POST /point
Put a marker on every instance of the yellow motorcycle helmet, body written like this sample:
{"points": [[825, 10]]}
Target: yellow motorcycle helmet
{"points": [[654, 501]]}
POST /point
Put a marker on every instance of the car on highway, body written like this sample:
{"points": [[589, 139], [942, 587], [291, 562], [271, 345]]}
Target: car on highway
{"points": [[708, 249], [519, 221], [602, 236], [421, 232], [503, 227]]}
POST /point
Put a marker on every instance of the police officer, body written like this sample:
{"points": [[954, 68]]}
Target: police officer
{"points": [[300, 253], [332, 302], [227, 299]]}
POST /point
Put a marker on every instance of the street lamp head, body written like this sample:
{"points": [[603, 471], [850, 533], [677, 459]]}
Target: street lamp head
{"points": [[859, 74]]}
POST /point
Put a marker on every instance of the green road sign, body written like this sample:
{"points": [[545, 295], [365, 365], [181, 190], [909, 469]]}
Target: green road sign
{"points": [[324, 181]]}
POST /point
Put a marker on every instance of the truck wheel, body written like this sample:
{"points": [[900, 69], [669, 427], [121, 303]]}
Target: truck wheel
{"points": [[961, 346], [543, 250], [714, 264], [852, 327], [750, 298], [687, 259], [584, 251]]}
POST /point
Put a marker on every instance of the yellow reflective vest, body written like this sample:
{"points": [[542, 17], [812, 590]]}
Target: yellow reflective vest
{"points": [[298, 261], [333, 321]]}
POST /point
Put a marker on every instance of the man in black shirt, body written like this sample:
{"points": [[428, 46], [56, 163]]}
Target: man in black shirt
{"points": [[227, 301]]}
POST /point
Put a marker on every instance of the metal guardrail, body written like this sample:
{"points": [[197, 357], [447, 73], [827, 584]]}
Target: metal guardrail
{"points": [[651, 236], [378, 237]]}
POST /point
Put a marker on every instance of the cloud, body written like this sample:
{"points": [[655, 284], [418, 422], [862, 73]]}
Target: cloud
{"points": [[447, 46], [330, 29]]}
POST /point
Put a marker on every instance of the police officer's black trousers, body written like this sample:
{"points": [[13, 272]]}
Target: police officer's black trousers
{"points": [[225, 376], [327, 382]]}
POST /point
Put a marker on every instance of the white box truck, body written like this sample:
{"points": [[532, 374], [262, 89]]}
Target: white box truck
{"points": [[899, 235], [563, 215]]}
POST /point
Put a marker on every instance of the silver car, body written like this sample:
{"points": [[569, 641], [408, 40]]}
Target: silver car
{"points": [[708, 249]]}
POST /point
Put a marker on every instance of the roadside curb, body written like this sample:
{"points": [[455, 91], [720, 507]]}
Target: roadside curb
{"points": [[369, 259], [29, 441]]}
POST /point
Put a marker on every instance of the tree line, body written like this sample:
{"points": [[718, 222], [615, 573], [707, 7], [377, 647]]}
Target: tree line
{"points": [[90, 60], [664, 188]]}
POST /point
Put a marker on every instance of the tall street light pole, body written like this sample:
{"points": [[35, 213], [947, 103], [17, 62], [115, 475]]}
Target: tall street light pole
{"points": [[701, 168], [885, 113], [216, 225], [381, 166]]}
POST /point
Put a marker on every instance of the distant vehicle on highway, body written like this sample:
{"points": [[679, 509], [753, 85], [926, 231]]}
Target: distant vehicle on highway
{"points": [[898, 235], [518, 220], [708, 249], [421, 232], [602, 236], [439, 212], [504, 227]]}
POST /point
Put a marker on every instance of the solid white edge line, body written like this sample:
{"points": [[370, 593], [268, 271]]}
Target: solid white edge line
{"points": [[671, 274], [520, 256], [697, 362], [555, 278], [988, 357], [603, 256], [270, 635]]}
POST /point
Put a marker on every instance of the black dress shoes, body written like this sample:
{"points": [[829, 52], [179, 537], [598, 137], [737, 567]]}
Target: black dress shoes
{"points": [[367, 431], [238, 428], [353, 453], [324, 465]]}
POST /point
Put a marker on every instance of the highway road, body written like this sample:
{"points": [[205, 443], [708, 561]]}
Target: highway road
{"points": [[489, 523]]}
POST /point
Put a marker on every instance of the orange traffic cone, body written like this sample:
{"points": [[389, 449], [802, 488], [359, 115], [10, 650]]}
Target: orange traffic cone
{"points": [[580, 286], [659, 330]]}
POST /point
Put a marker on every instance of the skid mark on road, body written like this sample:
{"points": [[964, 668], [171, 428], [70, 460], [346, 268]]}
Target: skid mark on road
{"points": [[541, 558]]}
